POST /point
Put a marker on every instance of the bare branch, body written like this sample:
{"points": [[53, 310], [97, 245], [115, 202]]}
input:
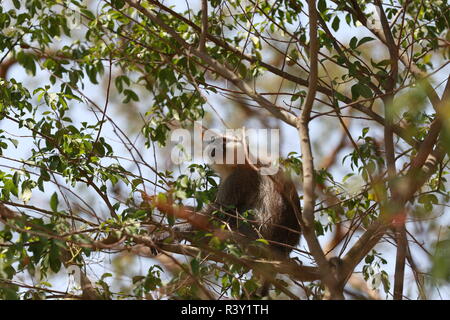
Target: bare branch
{"points": [[307, 215]]}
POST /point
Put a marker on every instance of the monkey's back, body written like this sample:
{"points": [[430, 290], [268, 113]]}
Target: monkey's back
{"points": [[272, 202]]}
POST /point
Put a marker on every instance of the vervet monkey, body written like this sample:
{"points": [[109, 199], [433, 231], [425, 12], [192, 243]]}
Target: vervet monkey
{"points": [[251, 202], [270, 202]]}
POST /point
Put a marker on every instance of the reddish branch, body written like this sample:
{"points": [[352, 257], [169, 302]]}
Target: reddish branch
{"points": [[5, 66], [198, 221]]}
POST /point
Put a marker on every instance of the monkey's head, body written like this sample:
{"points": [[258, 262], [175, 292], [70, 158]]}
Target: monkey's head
{"points": [[224, 153]]}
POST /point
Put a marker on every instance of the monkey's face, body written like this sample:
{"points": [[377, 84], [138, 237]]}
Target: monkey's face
{"points": [[224, 153]]}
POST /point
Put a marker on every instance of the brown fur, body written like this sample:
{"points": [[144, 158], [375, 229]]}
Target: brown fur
{"points": [[273, 201]]}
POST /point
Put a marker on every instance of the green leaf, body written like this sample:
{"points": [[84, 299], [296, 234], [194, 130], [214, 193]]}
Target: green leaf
{"points": [[118, 4], [16, 4], [441, 260], [54, 257], [54, 202], [319, 228], [428, 198], [130, 95], [360, 89], [195, 266], [184, 182], [335, 24], [235, 288], [322, 6], [136, 182], [369, 259], [365, 91], [27, 61], [364, 40], [353, 42], [263, 241], [365, 131]]}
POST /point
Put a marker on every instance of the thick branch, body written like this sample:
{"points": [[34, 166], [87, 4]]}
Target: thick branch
{"points": [[204, 32], [400, 232], [307, 217]]}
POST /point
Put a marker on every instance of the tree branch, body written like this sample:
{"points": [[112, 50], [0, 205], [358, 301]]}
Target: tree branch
{"points": [[307, 215], [399, 226], [204, 32]]}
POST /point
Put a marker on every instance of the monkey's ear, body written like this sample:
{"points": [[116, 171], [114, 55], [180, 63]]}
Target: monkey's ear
{"points": [[213, 152]]}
